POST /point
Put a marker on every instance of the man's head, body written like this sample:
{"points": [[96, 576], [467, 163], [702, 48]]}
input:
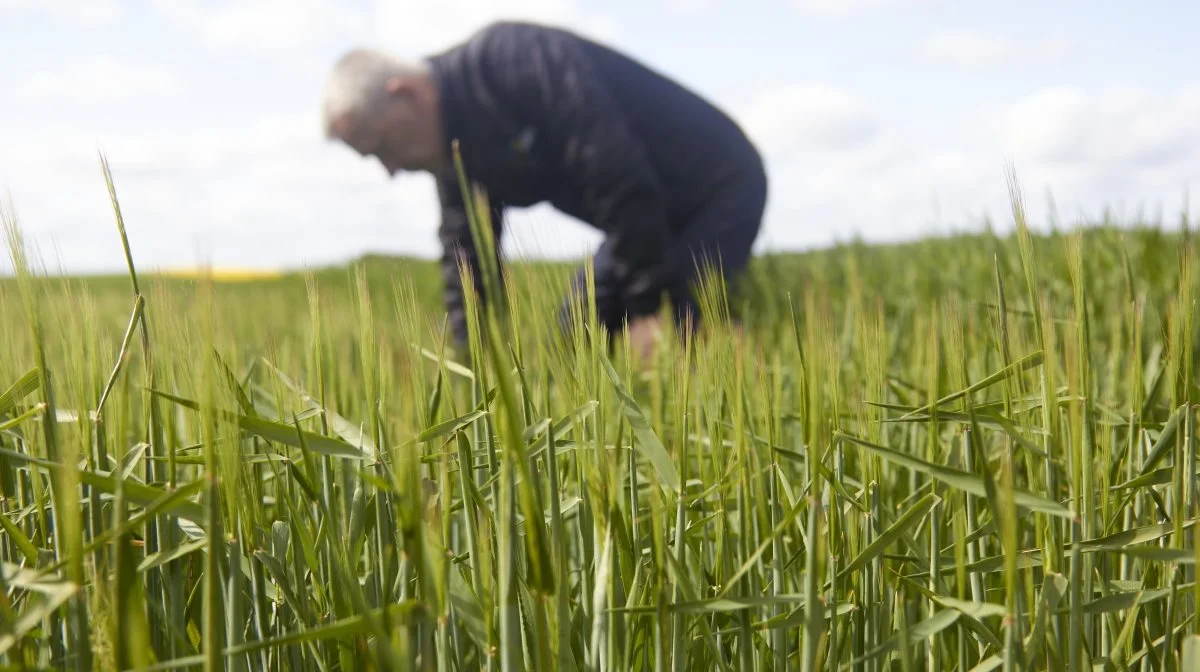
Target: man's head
{"points": [[387, 108]]}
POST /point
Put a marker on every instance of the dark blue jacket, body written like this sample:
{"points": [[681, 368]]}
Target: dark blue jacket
{"points": [[545, 116]]}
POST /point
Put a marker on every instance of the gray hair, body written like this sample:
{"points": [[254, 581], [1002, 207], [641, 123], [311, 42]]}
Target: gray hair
{"points": [[357, 82]]}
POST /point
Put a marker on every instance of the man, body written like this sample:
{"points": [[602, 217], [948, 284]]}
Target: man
{"points": [[542, 115]]}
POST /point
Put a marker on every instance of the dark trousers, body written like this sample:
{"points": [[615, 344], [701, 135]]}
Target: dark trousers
{"points": [[718, 239]]}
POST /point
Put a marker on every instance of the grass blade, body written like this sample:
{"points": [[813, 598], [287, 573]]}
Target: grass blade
{"points": [[959, 479]]}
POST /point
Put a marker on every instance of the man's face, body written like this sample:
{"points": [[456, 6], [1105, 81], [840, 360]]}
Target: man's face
{"points": [[396, 135]]}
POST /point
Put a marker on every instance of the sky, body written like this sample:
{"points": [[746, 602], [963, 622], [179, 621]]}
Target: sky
{"points": [[879, 119]]}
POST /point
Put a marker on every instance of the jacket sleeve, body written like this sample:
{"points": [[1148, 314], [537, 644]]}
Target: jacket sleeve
{"points": [[544, 74], [454, 232]]}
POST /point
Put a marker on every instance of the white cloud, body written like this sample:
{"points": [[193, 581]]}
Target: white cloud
{"points": [[1129, 127], [417, 28], [831, 176], [86, 12], [264, 24], [412, 28], [255, 196], [837, 167], [691, 7], [843, 8], [98, 80], [802, 117], [980, 50]]}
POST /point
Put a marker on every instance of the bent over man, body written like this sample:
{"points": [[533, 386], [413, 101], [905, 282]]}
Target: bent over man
{"points": [[543, 115]]}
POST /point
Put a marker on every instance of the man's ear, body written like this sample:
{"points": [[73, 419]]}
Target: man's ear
{"points": [[399, 86]]}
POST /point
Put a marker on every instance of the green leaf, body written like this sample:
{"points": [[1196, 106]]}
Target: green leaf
{"points": [[762, 548], [994, 420], [574, 417], [260, 458], [1126, 538], [350, 432], [139, 304], [1157, 477], [533, 431], [988, 664], [135, 492], [451, 365], [243, 401], [131, 459], [23, 543], [647, 440], [1177, 556], [1028, 362], [958, 479], [27, 415], [54, 592], [1054, 587], [449, 427], [973, 612], [466, 606], [911, 517], [728, 604], [923, 630], [342, 629], [978, 610], [281, 433], [1122, 601], [155, 560], [285, 434], [1163, 445], [280, 576], [24, 387], [795, 618]]}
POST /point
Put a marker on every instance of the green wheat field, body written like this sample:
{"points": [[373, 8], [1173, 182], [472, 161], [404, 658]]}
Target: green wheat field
{"points": [[975, 452]]}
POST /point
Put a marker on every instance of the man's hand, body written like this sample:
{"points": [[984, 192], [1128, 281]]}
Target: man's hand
{"points": [[644, 334]]}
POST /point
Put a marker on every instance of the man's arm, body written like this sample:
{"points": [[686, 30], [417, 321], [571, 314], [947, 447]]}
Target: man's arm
{"points": [[458, 246], [546, 76]]}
